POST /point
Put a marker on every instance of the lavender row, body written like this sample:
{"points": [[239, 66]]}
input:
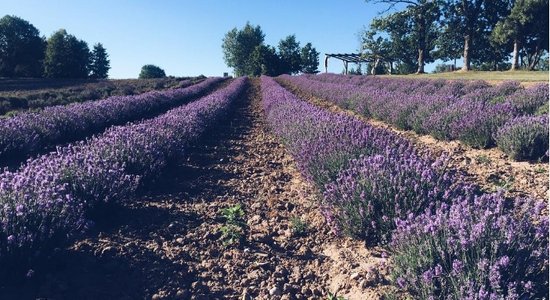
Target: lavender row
{"points": [[446, 238], [49, 198], [473, 115], [31, 132]]}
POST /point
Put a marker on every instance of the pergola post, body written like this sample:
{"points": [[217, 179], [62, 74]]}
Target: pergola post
{"points": [[326, 63], [346, 66]]}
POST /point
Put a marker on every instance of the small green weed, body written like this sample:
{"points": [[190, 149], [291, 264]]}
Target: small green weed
{"points": [[483, 159], [298, 226], [233, 229], [332, 296], [540, 170], [234, 214]]}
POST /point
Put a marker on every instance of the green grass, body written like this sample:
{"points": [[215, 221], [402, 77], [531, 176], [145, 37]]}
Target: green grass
{"points": [[523, 76]]}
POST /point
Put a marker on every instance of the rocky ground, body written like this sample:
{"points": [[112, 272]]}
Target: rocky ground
{"points": [[491, 169], [234, 220]]}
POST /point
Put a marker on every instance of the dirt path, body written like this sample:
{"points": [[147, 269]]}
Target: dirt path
{"points": [[491, 169], [168, 243]]}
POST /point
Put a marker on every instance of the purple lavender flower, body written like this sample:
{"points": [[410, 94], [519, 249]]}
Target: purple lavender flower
{"points": [[401, 283], [428, 276]]}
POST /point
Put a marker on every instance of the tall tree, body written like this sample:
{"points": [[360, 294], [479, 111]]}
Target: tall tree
{"points": [[511, 29], [375, 48], [21, 48], [289, 52], [238, 46], [398, 45], [536, 38], [309, 58], [265, 61], [526, 27], [421, 17], [472, 21], [100, 64], [66, 56]]}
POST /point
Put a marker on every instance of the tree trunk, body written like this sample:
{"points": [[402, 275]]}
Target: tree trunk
{"points": [[467, 41], [521, 59], [536, 58], [373, 71], [420, 69], [515, 56], [421, 42]]}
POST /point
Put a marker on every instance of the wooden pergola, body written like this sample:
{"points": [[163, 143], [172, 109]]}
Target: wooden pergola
{"points": [[346, 58], [351, 58]]}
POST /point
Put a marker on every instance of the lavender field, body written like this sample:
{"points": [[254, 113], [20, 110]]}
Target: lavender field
{"points": [[223, 177]]}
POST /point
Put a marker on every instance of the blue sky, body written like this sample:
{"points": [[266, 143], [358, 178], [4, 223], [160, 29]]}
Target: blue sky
{"points": [[184, 37]]}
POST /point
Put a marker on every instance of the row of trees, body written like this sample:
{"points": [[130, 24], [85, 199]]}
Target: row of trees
{"points": [[24, 53], [484, 33], [244, 50]]}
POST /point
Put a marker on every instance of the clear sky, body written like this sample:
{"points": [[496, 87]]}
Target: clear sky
{"points": [[184, 37]]}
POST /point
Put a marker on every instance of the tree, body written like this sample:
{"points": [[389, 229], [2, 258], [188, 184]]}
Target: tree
{"points": [[244, 51], [289, 52], [536, 37], [21, 48], [390, 38], [238, 47], [151, 71], [265, 61], [66, 56], [526, 27], [420, 17], [309, 58], [472, 21], [100, 64], [375, 48]]}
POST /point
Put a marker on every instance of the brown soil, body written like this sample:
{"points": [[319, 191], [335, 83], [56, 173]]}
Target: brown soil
{"points": [[167, 243], [491, 169]]}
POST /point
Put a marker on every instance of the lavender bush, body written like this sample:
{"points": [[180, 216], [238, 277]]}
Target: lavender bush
{"points": [[366, 199], [524, 138], [527, 101], [47, 199], [31, 132], [475, 248], [322, 143], [477, 129], [470, 111]]}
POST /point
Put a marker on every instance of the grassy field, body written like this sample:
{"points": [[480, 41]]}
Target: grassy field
{"points": [[523, 76]]}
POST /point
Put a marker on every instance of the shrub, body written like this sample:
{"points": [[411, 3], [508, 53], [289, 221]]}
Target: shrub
{"points": [[151, 71], [542, 110], [365, 200], [477, 127], [528, 100], [476, 248], [524, 138]]}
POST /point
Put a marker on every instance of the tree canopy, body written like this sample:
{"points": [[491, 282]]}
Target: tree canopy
{"points": [[66, 56], [24, 53], [100, 64], [245, 51], [21, 48], [483, 33], [310, 59], [151, 71]]}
